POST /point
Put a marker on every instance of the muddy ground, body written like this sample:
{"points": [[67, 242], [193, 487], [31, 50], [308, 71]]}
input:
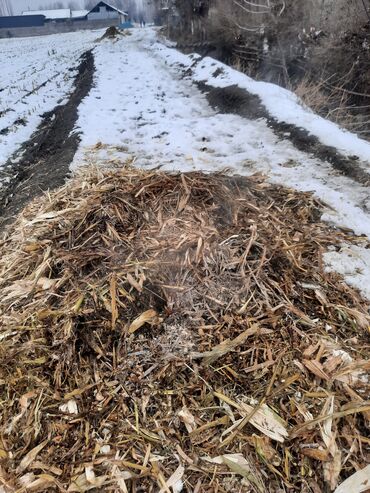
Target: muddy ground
{"points": [[42, 163]]}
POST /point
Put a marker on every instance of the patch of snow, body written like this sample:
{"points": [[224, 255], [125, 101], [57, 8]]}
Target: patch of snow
{"points": [[353, 263], [346, 358], [105, 449], [281, 103], [79, 13], [69, 407], [178, 486]]}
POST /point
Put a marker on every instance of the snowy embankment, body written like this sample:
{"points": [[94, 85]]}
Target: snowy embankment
{"points": [[285, 106], [144, 107], [37, 75]]}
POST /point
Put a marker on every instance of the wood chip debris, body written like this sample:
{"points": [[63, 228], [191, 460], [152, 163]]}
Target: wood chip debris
{"points": [[169, 332]]}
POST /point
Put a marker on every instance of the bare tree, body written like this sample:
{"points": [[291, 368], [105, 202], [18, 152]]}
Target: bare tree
{"points": [[366, 8], [90, 4], [5, 8], [254, 15], [52, 6]]}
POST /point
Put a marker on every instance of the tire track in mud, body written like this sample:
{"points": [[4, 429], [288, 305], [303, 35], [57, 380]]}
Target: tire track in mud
{"points": [[42, 163], [235, 100]]}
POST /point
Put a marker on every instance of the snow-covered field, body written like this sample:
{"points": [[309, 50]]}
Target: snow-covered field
{"points": [[36, 74], [143, 108]]}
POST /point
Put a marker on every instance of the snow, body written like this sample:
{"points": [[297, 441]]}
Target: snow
{"points": [[115, 8], [39, 76], [50, 14], [287, 107], [353, 263], [282, 104], [79, 13]]}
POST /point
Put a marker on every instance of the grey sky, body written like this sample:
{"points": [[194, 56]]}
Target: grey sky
{"points": [[20, 5]]}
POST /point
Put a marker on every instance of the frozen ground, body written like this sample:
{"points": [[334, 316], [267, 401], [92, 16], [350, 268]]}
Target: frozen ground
{"points": [[143, 106], [36, 75]]}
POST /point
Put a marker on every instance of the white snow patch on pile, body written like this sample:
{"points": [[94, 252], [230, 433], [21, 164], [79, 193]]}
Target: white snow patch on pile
{"points": [[143, 107], [353, 263]]}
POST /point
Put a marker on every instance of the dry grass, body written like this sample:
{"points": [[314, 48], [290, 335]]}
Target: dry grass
{"points": [[336, 84], [334, 103], [313, 95], [162, 331]]}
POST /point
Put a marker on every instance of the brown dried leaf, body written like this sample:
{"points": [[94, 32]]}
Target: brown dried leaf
{"points": [[316, 453], [82, 483], [225, 347], [316, 368], [239, 464], [188, 419], [31, 456], [148, 317], [332, 469]]}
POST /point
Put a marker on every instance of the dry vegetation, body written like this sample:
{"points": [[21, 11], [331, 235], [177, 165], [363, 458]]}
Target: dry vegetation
{"points": [[162, 331], [321, 49]]}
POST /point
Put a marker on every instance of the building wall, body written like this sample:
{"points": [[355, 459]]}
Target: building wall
{"points": [[103, 14], [62, 27], [21, 21]]}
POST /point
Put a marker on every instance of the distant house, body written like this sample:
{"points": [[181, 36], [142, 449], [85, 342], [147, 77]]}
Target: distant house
{"points": [[104, 10], [13, 21], [56, 15], [61, 20]]}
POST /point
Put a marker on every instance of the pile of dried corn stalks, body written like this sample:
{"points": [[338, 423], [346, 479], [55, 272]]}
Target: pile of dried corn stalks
{"points": [[167, 333]]}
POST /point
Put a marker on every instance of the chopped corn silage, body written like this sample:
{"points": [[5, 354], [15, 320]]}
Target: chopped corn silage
{"points": [[177, 332]]}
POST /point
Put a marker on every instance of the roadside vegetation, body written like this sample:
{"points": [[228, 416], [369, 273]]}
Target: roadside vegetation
{"points": [[319, 49]]}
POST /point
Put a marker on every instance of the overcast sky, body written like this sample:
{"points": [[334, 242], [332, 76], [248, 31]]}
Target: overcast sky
{"points": [[20, 5]]}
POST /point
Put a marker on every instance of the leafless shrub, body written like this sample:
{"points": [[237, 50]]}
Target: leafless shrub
{"points": [[330, 103], [338, 69], [318, 48]]}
